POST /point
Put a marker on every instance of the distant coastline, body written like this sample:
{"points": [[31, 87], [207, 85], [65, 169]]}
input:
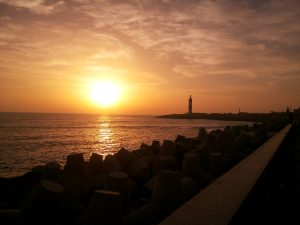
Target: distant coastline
{"points": [[242, 116]]}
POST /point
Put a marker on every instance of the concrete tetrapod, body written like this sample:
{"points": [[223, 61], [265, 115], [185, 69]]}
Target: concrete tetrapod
{"points": [[166, 197], [105, 208], [119, 182], [191, 166], [43, 204], [96, 164]]}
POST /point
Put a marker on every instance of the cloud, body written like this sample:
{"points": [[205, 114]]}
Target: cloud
{"points": [[36, 6], [216, 45]]}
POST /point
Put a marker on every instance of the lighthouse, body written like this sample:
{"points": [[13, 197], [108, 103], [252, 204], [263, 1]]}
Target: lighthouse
{"points": [[190, 105]]}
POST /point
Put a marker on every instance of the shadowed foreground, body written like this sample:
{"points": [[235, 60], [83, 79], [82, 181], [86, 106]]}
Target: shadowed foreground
{"points": [[130, 187]]}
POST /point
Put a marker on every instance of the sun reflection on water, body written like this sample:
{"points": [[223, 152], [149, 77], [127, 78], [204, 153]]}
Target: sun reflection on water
{"points": [[105, 132], [105, 137]]}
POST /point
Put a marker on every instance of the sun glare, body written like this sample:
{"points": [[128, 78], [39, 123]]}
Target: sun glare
{"points": [[105, 93]]}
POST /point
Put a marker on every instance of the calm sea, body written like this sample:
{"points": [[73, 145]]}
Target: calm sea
{"points": [[30, 139]]}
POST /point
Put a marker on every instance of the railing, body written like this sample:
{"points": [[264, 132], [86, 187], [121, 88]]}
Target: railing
{"points": [[218, 203]]}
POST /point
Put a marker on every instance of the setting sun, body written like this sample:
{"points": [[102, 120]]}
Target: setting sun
{"points": [[105, 93]]}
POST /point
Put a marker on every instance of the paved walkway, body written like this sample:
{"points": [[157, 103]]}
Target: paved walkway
{"points": [[276, 198]]}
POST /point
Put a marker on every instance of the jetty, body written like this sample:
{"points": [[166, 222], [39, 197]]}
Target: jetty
{"points": [[237, 175], [241, 116]]}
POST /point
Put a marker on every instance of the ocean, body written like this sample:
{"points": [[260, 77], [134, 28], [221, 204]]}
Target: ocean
{"points": [[31, 139]]}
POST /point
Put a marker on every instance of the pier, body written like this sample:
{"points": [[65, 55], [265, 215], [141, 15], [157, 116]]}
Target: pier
{"points": [[261, 189]]}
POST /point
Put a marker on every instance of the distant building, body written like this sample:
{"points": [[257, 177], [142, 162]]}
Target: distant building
{"points": [[190, 105], [297, 110]]}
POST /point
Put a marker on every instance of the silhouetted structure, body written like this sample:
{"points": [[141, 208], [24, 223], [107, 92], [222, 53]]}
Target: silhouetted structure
{"points": [[190, 105]]}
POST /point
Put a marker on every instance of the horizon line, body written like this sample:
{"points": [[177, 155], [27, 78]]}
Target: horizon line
{"points": [[116, 114]]}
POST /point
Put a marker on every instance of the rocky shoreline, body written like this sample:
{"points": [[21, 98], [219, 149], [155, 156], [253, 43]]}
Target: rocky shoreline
{"points": [[142, 186]]}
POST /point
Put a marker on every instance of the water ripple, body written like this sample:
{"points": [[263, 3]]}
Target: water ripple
{"points": [[28, 139]]}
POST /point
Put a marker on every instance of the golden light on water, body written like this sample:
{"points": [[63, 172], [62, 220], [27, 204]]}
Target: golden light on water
{"points": [[105, 132], [105, 137], [105, 93]]}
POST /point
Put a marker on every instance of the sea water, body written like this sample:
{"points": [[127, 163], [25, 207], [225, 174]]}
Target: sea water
{"points": [[31, 139]]}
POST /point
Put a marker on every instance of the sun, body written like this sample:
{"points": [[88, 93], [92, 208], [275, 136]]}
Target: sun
{"points": [[105, 93]]}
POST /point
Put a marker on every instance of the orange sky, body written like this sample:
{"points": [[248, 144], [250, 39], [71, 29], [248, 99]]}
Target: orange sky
{"points": [[227, 54]]}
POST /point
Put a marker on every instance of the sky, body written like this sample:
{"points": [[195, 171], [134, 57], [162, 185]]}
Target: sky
{"points": [[227, 54]]}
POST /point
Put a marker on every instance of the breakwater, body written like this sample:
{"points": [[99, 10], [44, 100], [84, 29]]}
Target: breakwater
{"points": [[246, 194], [128, 187], [242, 116]]}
